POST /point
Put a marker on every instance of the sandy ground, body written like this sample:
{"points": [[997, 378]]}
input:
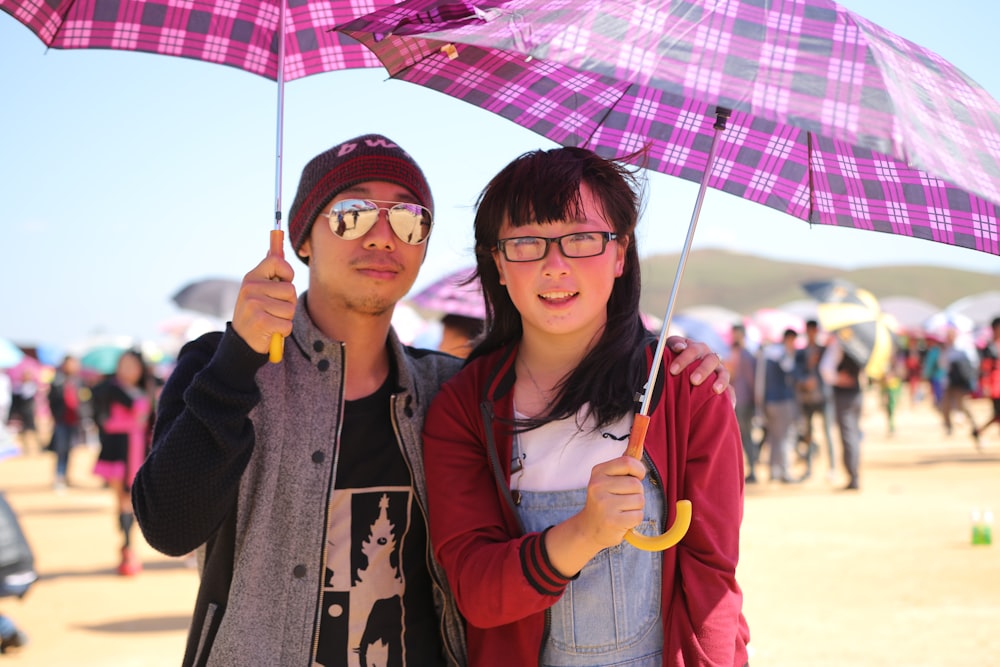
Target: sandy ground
{"points": [[884, 576]]}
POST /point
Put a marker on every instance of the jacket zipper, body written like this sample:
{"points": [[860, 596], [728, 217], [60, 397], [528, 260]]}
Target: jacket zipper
{"points": [[329, 504], [486, 408], [438, 588]]}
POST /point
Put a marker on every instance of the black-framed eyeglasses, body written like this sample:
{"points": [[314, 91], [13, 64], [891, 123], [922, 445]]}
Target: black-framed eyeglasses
{"points": [[574, 246], [351, 219]]}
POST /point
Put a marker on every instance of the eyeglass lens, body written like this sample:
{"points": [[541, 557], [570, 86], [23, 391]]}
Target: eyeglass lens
{"points": [[576, 245], [351, 219]]}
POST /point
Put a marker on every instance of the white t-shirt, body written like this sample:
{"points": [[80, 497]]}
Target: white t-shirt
{"points": [[560, 455]]}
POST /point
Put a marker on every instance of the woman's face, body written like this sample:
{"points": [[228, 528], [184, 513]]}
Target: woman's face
{"points": [[129, 371], [559, 295]]}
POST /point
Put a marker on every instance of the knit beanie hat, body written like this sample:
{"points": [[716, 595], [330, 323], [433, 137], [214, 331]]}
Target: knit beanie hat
{"points": [[371, 157]]}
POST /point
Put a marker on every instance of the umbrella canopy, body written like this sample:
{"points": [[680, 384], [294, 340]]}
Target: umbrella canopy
{"points": [[834, 120], [10, 354], [209, 296], [909, 312], [804, 308], [452, 295], [940, 323], [239, 33], [720, 317], [102, 359], [768, 325], [703, 330], [854, 316], [981, 308]]}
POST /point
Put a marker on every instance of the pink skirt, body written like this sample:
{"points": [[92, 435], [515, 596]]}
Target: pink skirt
{"points": [[112, 471]]}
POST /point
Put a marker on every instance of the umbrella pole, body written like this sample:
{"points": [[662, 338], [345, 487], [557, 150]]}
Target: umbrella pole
{"points": [[637, 436], [277, 240]]}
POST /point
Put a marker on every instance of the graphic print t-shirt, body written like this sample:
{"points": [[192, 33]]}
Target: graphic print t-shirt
{"points": [[377, 606]]}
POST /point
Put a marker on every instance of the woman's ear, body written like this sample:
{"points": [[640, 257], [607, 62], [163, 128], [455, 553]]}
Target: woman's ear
{"points": [[620, 261]]}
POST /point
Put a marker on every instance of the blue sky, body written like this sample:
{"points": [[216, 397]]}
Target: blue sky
{"points": [[127, 175]]}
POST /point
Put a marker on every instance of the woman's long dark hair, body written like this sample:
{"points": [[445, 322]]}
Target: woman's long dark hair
{"points": [[544, 186]]}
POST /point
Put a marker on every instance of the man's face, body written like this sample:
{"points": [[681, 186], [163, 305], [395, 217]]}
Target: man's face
{"points": [[367, 275]]}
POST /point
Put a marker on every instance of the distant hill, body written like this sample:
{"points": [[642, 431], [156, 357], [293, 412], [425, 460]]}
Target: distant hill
{"points": [[745, 283]]}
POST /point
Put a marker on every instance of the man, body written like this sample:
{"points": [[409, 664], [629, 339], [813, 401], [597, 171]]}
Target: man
{"points": [[69, 407], [959, 361], [811, 394], [780, 408], [304, 479], [990, 378], [844, 374], [742, 366]]}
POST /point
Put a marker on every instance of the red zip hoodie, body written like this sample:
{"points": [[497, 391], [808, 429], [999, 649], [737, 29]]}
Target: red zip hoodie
{"points": [[502, 579]]}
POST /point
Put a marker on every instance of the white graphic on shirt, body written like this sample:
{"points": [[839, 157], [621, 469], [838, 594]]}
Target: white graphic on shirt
{"points": [[362, 624]]}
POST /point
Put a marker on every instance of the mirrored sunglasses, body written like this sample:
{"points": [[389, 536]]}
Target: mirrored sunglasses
{"points": [[351, 219]]}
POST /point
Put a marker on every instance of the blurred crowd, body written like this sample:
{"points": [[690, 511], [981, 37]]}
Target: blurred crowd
{"points": [[791, 408]]}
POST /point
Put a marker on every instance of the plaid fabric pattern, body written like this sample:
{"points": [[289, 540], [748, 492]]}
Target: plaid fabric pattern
{"points": [[835, 120], [239, 33]]}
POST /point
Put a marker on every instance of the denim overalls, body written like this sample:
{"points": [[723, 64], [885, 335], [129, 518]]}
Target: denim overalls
{"points": [[613, 607]]}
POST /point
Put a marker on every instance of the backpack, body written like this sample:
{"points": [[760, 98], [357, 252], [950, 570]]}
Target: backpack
{"points": [[961, 374]]}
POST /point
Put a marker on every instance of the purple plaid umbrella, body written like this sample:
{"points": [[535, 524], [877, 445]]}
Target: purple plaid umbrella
{"points": [[452, 295], [799, 105], [240, 33], [833, 119], [281, 40]]}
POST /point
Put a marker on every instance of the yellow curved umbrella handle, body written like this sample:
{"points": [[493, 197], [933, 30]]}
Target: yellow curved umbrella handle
{"points": [[676, 532], [277, 349], [668, 539]]}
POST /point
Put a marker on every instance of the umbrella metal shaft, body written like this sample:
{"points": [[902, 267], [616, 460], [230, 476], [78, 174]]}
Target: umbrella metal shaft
{"points": [[721, 114]]}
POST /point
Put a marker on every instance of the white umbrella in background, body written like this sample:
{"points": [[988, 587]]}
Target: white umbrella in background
{"points": [[908, 311], [980, 308], [807, 309]]}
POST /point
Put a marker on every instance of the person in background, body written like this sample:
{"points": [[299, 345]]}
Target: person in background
{"points": [[959, 363], [11, 637], [69, 401], [781, 410], [844, 374], [989, 375], [24, 389], [458, 334], [7, 445], [812, 396], [934, 370], [304, 479], [124, 413], [742, 366], [914, 364], [530, 494], [891, 386]]}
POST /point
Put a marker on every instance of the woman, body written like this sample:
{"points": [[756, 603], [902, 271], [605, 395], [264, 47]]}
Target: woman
{"points": [[124, 416], [530, 495]]}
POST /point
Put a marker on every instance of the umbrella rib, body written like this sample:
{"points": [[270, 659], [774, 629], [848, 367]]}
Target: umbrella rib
{"points": [[62, 15], [809, 171], [607, 112]]}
